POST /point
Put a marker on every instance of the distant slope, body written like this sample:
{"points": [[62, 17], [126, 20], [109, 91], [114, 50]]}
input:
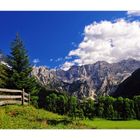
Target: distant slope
{"points": [[129, 87]]}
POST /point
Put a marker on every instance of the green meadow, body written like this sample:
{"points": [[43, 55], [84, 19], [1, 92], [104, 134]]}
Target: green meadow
{"points": [[28, 117]]}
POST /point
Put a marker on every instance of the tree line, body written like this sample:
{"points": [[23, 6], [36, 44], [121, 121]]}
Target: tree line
{"points": [[105, 107]]}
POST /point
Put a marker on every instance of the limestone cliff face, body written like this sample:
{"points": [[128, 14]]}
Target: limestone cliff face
{"points": [[101, 78]]}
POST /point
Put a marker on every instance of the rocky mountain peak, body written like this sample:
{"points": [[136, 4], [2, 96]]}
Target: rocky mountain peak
{"points": [[100, 78]]}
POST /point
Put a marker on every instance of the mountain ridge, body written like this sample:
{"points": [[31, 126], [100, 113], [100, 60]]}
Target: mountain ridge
{"points": [[100, 78]]}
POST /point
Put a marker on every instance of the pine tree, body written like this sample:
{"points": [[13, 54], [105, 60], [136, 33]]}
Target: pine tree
{"points": [[128, 109], [3, 76], [88, 107], [137, 106], [72, 106], [3, 71], [20, 69], [108, 107], [62, 104], [100, 107], [119, 107]]}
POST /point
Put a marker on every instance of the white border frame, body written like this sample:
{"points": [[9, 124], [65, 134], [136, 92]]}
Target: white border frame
{"points": [[69, 5], [76, 5]]}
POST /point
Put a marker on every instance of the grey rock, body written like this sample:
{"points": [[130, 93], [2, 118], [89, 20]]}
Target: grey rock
{"points": [[88, 81]]}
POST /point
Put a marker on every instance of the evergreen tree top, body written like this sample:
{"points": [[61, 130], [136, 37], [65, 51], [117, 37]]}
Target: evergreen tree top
{"points": [[19, 60]]}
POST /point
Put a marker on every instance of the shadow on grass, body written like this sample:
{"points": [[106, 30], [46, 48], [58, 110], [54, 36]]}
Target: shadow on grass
{"points": [[55, 122], [120, 119]]}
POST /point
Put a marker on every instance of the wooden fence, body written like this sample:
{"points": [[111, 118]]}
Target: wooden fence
{"points": [[12, 96]]}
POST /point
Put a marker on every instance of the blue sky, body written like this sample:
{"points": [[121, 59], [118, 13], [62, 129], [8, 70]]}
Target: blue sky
{"points": [[50, 36]]}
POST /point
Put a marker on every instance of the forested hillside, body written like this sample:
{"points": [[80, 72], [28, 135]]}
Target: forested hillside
{"points": [[129, 87]]}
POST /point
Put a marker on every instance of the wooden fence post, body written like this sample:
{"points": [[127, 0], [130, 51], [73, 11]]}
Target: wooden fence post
{"points": [[29, 99], [22, 97]]}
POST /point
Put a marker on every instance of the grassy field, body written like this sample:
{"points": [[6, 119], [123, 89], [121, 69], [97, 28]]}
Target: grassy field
{"points": [[108, 124], [28, 117]]}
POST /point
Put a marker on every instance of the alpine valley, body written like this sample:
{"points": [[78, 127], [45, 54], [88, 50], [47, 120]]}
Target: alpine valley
{"points": [[89, 81]]}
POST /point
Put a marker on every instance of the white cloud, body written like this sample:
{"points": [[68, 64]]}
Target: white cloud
{"points": [[68, 57], [108, 41], [51, 60], [59, 59], [36, 60], [67, 65], [133, 13], [74, 44]]}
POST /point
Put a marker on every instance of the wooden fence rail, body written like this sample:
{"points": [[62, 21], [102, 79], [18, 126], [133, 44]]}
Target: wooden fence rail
{"points": [[17, 97]]}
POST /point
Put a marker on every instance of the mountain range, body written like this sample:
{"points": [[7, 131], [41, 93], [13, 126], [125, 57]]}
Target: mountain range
{"points": [[90, 81]]}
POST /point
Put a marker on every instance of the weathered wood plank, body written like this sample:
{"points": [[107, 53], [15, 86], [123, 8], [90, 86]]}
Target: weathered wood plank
{"points": [[29, 99], [26, 94], [10, 96], [26, 99], [10, 90], [9, 102]]}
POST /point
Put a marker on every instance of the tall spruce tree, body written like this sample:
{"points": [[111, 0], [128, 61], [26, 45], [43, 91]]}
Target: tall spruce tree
{"points": [[3, 76], [137, 106], [20, 69], [3, 71]]}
